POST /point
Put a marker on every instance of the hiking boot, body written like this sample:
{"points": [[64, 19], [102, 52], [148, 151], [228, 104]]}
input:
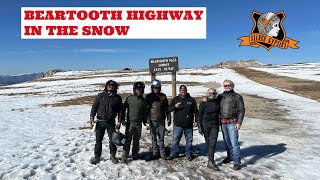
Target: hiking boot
{"points": [[124, 158], [212, 165], [226, 160], [135, 157], [189, 158], [236, 167], [114, 159], [155, 156], [171, 158], [164, 157], [95, 160]]}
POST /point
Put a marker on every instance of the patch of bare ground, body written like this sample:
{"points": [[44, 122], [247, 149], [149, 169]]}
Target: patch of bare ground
{"points": [[19, 110], [93, 75], [187, 83], [80, 101], [305, 88], [214, 85], [264, 108], [23, 93], [198, 74], [10, 87]]}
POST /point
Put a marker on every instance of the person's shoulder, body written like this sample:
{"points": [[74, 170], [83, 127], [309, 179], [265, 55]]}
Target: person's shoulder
{"points": [[237, 95], [130, 97], [101, 94], [118, 96], [148, 95]]}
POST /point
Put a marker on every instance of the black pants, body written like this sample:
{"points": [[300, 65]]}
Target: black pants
{"points": [[211, 132], [101, 127], [157, 131], [133, 133]]}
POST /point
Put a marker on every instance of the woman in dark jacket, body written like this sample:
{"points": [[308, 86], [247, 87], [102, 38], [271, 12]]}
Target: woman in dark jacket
{"points": [[209, 124]]}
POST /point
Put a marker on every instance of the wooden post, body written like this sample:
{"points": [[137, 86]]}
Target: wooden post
{"points": [[174, 84], [153, 76]]}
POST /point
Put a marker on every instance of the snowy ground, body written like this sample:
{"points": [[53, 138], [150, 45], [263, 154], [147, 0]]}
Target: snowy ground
{"points": [[310, 71], [45, 143]]}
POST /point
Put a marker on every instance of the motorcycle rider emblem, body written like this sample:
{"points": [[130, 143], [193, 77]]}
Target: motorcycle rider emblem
{"points": [[268, 32]]}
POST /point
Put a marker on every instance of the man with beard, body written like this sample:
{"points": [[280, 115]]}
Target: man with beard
{"points": [[137, 110], [107, 105], [185, 117]]}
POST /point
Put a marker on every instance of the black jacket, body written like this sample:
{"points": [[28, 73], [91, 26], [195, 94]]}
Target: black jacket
{"points": [[107, 107], [186, 115], [232, 106], [158, 106], [209, 112]]}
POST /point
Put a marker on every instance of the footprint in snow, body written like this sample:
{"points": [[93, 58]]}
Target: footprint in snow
{"points": [[32, 172], [48, 168], [34, 166], [37, 157], [24, 166]]}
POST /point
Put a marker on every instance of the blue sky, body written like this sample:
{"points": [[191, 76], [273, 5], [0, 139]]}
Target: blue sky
{"points": [[227, 20]]}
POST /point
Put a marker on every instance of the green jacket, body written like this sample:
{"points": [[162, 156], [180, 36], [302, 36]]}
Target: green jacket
{"points": [[137, 109]]}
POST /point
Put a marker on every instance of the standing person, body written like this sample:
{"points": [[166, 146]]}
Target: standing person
{"points": [[158, 112], [232, 112], [107, 105], [137, 110], [185, 115], [209, 111]]}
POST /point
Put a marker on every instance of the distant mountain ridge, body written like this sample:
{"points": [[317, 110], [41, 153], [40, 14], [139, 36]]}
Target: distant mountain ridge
{"points": [[8, 80], [238, 64]]}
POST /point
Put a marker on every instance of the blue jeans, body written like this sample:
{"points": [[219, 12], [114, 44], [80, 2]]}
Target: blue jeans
{"points": [[230, 136], [177, 134]]}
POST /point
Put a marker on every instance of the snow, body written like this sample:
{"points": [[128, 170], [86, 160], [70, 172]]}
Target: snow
{"points": [[309, 71], [45, 142]]}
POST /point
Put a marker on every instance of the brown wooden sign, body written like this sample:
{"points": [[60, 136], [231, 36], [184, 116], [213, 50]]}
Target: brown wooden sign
{"points": [[166, 64]]}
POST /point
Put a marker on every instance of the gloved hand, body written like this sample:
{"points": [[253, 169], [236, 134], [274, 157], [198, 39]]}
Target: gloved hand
{"points": [[200, 131], [123, 122], [91, 122], [148, 126]]}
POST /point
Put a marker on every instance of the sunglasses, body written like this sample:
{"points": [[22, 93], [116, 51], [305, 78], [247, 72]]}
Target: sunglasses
{"points": [[228, 85], [156, 87], [111, 84]]}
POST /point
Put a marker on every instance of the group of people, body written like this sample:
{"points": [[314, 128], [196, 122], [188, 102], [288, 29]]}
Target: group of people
{"points": [[225, 110]]}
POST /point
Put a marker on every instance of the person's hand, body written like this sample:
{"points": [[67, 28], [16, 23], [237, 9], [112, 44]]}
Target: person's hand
{"points": [[204, 99], [195, 124], [147, 126], [238, 126], [200, 131], [178, 105], [91, 122], [123, 122], [118, 125]]}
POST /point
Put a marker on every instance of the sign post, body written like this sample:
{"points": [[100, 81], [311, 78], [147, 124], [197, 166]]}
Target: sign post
{"points": [[174, 82], [165, 64]]}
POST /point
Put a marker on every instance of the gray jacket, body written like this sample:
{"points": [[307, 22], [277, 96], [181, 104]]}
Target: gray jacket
{"points": [[231, 106]]}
